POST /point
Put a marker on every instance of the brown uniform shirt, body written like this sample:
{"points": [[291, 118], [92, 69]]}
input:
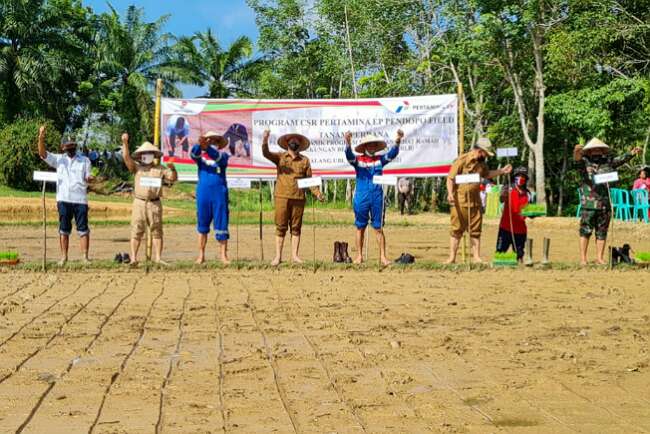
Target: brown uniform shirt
{"points": [[150, 193], [468, 194], [290, 169]]}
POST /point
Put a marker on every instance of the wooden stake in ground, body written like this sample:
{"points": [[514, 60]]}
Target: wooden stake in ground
{"points": [[44, 230], [261, 231], [546, 251], [461, 147]]}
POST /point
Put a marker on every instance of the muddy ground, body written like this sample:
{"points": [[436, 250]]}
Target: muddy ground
{"points": [[291, 351]]}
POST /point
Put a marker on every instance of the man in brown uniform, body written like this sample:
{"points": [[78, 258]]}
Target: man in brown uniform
{"points": [[147, 206], [289, 199], [465, 199]]}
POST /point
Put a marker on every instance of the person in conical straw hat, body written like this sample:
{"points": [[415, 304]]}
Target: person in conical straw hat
{"points": [[212, 192], [369, 197], [289, 199], [147, 205], [465, 199], [596, 210]]}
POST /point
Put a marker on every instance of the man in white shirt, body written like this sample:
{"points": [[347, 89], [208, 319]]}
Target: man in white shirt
{"points": [[73, 175]]}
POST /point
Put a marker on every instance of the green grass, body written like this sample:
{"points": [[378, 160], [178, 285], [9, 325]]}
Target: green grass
{"points": [[309, 266], [507, 256]]}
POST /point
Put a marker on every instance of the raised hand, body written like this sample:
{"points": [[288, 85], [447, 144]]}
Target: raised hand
{"points": [[636, 151], [41, 132], [348, 138], [266, 135], [125, 139], [400, 136]]}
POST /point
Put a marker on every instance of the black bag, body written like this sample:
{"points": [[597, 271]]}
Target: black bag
{"points": [[405, 258], [621, 255]]}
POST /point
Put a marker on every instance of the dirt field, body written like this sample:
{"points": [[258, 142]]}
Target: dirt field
{"points": [[426, 236], [336, 351], [332, 352]]}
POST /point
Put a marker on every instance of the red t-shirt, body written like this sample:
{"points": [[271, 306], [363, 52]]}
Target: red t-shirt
{"points": [[518, 200]]}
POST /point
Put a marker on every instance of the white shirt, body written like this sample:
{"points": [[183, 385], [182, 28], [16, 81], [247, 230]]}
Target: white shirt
{"points": [[72, 175]]}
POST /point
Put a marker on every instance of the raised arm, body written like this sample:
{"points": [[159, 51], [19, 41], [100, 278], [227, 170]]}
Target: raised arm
{"points": [[349, 155], [494, 173], [126, 154], [619, 161], [42, 152], [271, 156], [393, 151]]}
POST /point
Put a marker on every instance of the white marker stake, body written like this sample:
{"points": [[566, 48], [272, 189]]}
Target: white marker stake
{"points": [[304, 183], [507, 152], [44, 177], [472, 178], [150, 182], [385, 180], [238, 184], [606, 178]]}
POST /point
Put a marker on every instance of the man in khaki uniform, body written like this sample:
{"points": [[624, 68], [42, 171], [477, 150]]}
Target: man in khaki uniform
{"points": [[289, 199], [465, 199], [147, 206]]}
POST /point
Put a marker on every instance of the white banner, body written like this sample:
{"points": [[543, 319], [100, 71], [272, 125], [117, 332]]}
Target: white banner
{"points": [[429, 123]]}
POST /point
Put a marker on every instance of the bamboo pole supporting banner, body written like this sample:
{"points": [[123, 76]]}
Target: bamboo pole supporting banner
{"points": [[261, 230], [461, 147], [156, 141]]}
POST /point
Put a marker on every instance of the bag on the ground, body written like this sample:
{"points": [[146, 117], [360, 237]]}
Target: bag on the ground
{"points": [[405, 258], [621, 255]]}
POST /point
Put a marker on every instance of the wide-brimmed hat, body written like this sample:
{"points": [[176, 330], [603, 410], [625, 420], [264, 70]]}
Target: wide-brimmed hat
{"points": [[283, 141], [370, 138], [595, 143], [212, 135], [147, 148], [485, 144]]}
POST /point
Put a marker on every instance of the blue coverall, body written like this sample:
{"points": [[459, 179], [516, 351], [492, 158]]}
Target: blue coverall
{"points": [[211, 191], [368, 197]]}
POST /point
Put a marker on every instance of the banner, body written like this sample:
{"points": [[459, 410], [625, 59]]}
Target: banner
{"points": [[430, 125]]}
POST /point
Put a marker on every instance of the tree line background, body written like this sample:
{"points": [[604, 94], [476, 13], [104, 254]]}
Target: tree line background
{"points": [[538, 75]]}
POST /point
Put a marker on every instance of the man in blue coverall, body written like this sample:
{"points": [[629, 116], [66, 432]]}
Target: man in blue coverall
{"points": [[369, 197], [211, 192]]}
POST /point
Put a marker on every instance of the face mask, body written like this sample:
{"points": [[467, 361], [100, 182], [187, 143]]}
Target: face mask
{"points": [[71, 152], [481, 159], [520, 181], [599, 159], [147, 159], [294, 146]]}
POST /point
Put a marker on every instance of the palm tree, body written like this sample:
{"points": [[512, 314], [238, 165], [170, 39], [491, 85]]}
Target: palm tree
{"points": [[202, 61], [132, 55], [43, 57]]}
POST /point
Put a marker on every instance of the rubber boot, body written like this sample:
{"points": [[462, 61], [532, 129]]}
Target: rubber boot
{"points": [[337, 252], [345, 257]]}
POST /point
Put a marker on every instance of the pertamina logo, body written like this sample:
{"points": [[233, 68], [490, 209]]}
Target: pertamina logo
{"points": [[405, 106]]}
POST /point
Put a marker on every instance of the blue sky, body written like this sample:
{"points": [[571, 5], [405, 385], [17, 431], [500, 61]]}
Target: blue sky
{"points": [[229, 19]]}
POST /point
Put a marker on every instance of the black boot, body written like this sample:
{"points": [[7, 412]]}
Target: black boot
{"points": [[337, 252], [345, 257]]}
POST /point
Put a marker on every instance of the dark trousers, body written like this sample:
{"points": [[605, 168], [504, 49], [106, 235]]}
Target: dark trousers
{"points": [[505, 241]]}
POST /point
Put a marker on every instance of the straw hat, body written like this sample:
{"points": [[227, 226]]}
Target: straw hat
{"points": [[283, 141], [594, 144], [147, 147], [221, 140], [486, 145], [370, 138]]}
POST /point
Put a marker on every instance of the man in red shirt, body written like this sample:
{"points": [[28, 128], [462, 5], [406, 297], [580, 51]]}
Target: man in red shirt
{"points": [[512, 229]]}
